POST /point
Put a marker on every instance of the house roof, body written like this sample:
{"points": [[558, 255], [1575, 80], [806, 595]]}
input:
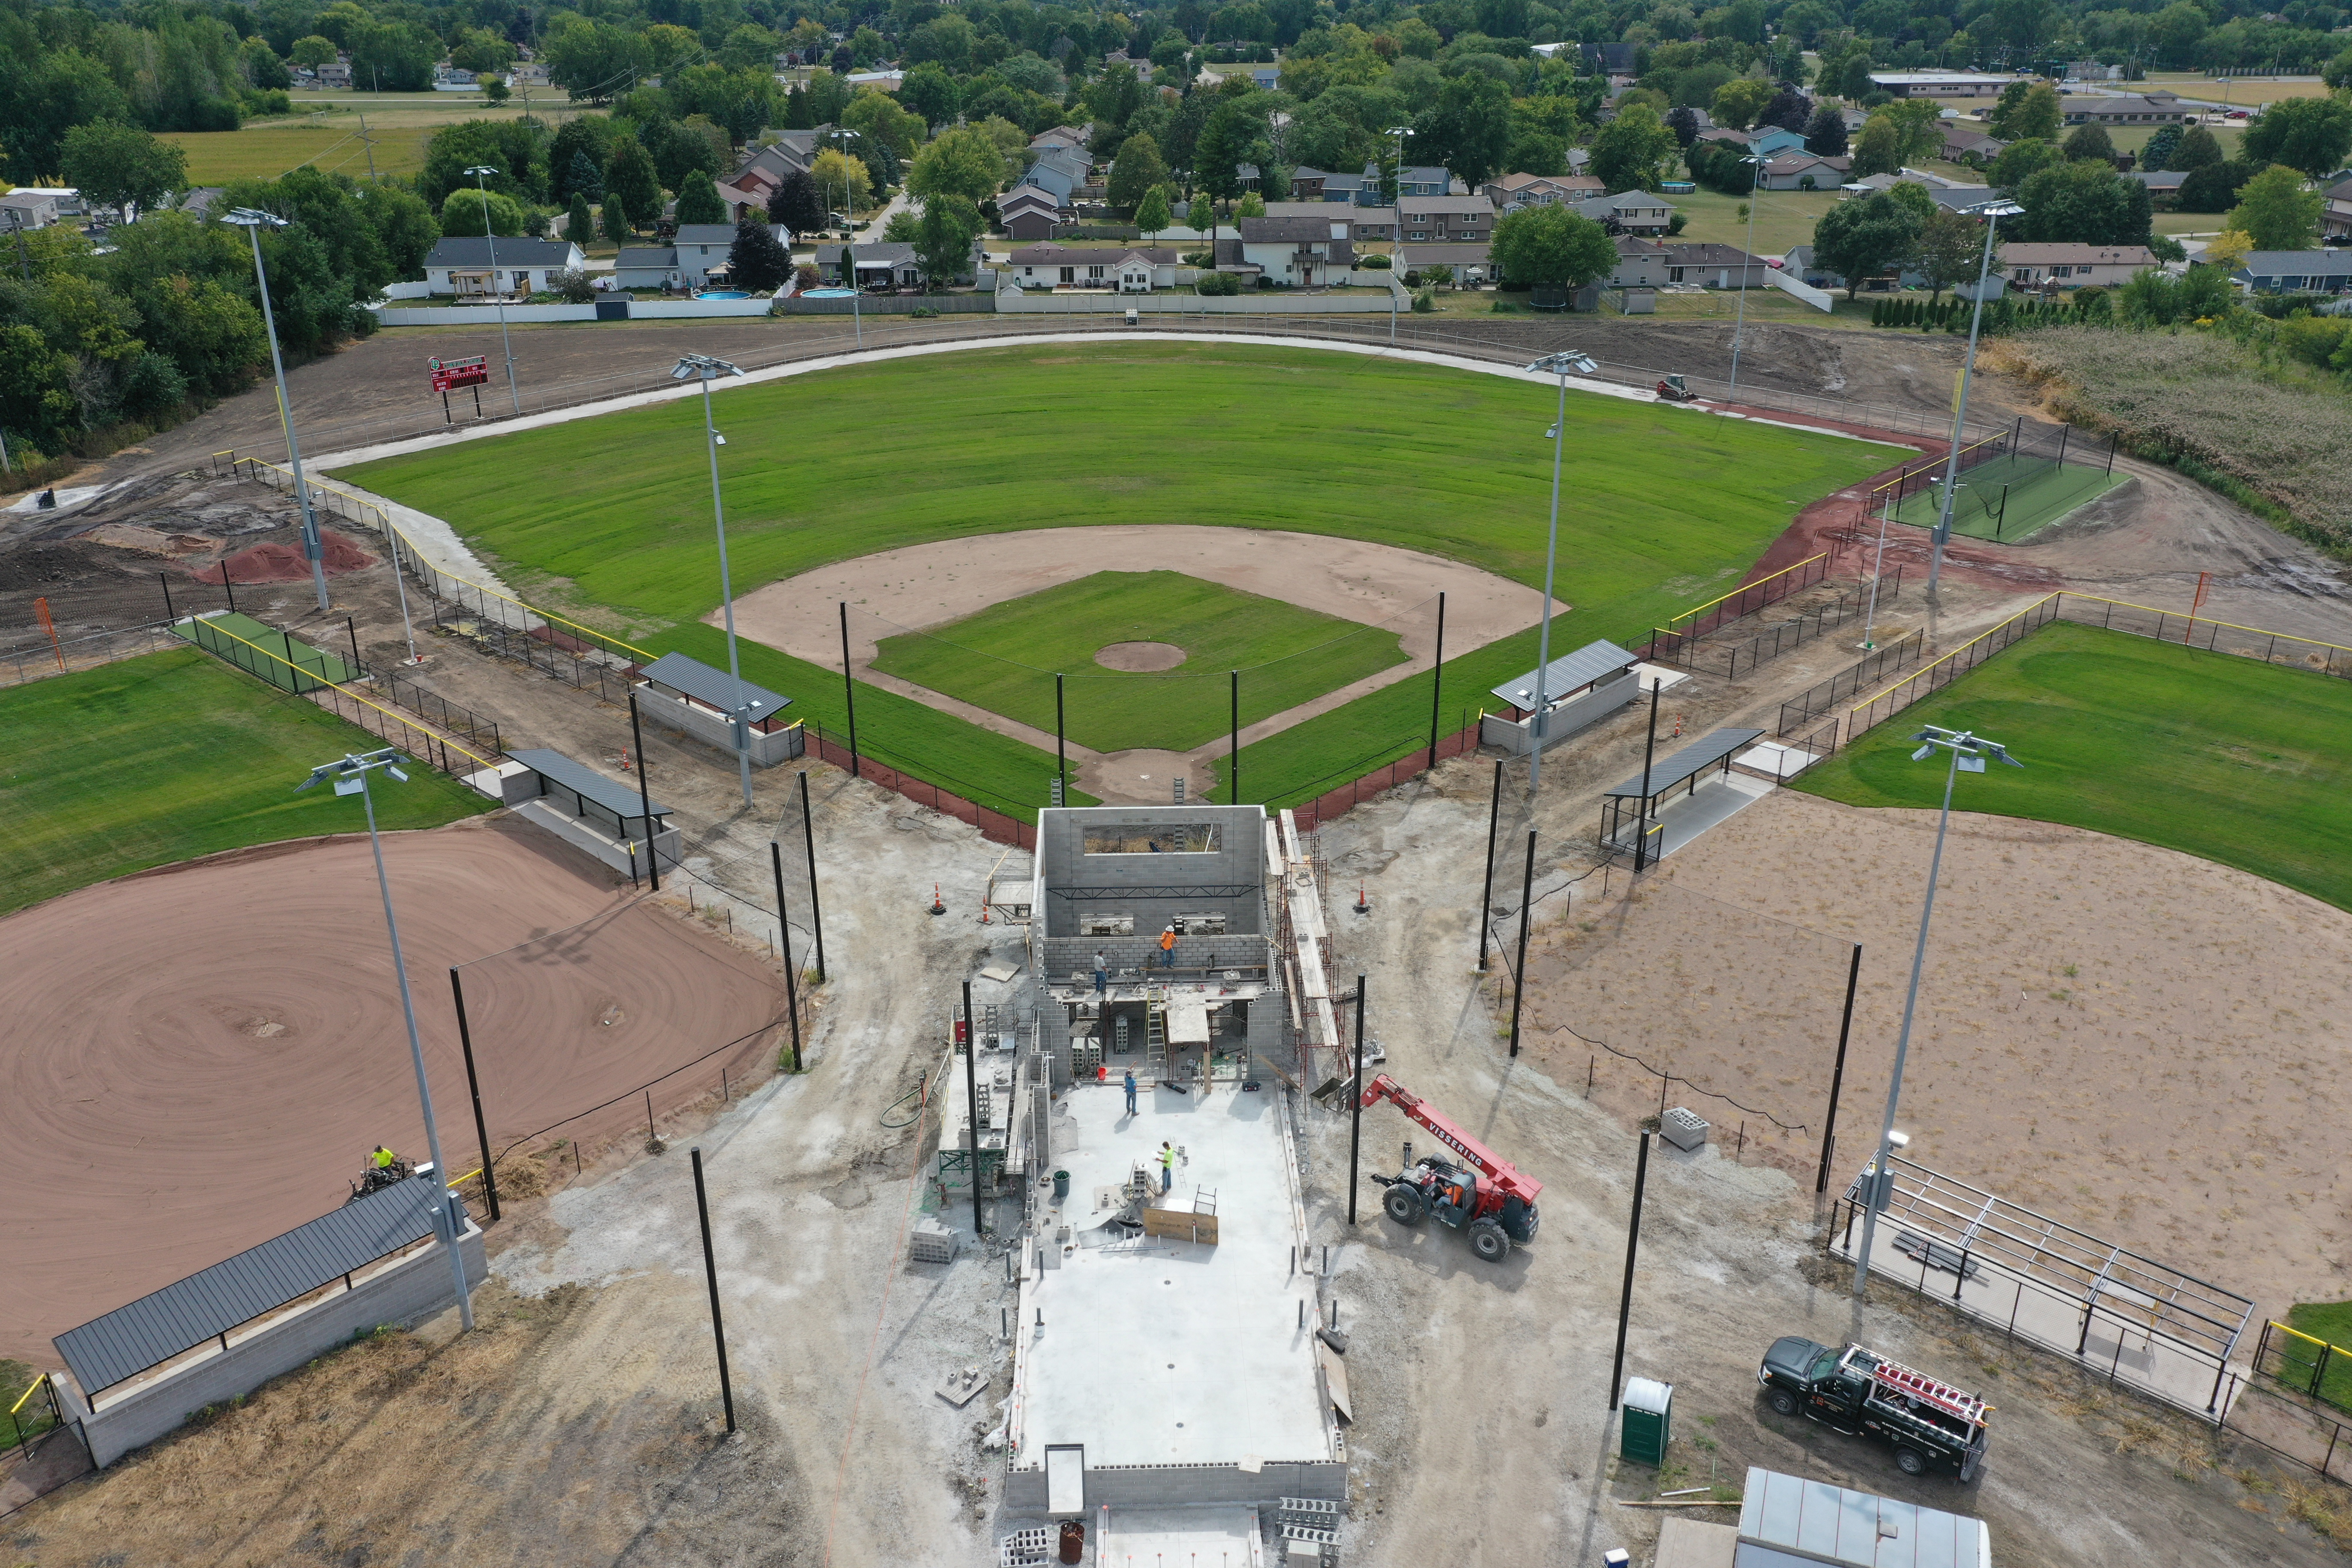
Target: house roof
{"points": [[885, 254], [474, 250], [1630, 201], [1421, 175], [1331, 212], [1699, 253], [707, 232], [1047, 253], [1668, 771], [2070, 254], [1028, 195], [1798, 162], [1920, 78], [2157, 179], [2296, 263], [646, 256], [622, 800], [1509, 182], [1634, 245], [1480, 202], [1057, 183], [1275, 230]]}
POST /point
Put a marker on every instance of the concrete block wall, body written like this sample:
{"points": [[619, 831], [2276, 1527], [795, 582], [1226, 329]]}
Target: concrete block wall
{"points": [[1565, 720], [1148, 1486], [712, 729], [413, 1288], [542, 812], [1066, 956]]}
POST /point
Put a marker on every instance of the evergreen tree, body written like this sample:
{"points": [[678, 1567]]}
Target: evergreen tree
{"points": [[617, 221], [578, 227], [586, 180], [757, 261], [697, 201]]}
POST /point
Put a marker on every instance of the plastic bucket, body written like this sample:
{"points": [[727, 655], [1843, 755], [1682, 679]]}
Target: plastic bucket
{"points": [[1060, 1185]]}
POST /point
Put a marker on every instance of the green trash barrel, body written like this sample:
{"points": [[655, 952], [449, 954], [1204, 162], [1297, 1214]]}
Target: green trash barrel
{"points": [[1060, 1185], [1649, 1416]]}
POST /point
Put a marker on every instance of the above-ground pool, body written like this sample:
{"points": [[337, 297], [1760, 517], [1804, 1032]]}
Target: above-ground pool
{"points": [[827, 294], [723, 294]]}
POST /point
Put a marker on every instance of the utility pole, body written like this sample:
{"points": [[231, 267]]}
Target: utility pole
{"points": [[369, 142]]}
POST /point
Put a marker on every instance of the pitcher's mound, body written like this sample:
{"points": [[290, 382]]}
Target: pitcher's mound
{"points": [[1145, 656]]}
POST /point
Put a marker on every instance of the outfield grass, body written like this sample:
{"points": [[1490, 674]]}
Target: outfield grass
{"points": [[2223, 757], [1004, 658], [2331, 1321], [1662, 508], [169, 756]]}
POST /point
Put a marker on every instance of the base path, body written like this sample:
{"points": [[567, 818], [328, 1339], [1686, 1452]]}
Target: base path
{"points": [[928, 586], [201, 1057]]}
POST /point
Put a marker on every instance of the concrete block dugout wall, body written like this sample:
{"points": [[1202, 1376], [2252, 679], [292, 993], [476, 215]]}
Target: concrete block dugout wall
{"points": [[411, 1290], [1150, 1485]]}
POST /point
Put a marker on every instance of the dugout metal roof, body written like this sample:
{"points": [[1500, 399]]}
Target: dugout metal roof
{"points": [[1788, 1521], [1670, 770], [713, 687], [591, 785], [211, 1302], [1568, 673]]}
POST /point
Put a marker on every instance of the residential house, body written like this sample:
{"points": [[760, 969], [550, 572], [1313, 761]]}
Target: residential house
{"points": [[2336, 212], [1641, 263], [1368, 223], [1120, 59], [1715, 266], [1631, 212], [1961, 144], [1437, 220], [447, 78], [1471, 263], [2297, 271], [1765, 141], [2071, 266], [526, 73], [887, 81], [2125, 109], [881, 266], [1297, 250], [335, 73], [1939, 84], [1803, 172], [1508, 191], [1053, 178], [1608, 59], [699, 246], [1311, 185], [461, 264], [1072, 163], [2163, 184], [1066, 137], [646, 267], [748, 189], [1029, 213], [32, 207], [1131, 270], [197, 203], [1420, 181], [1799, 263], [1944, 192]]}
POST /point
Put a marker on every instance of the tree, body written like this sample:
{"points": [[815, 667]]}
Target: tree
{"points": [[697, 201], [1740, 103], [1152, 213], [1218, 158], [1468, 129], [2034, 113], [883, 121], [2229, 249], [1825, 132], [262, 66], [943, 237], [2089, 143], [616, 221], [392, 57], [1551, 245], [1252, 205], [2162, 148], [630, 177], [2212, 188], [1914, 198], [1860, 238], [1684, 123], [930, 92], [2019, 161], [585, 179], [838, 174], [2310, 135], [312, 52], [461, 213], [797, 205], [2085, 203], [1879, 149], [1138, 169], [2198, 148], [1201, 217], [121, 166], [756, 261], [579, 223], [2276, 211], [1951, 250], [1631, 151], [964, 161]]}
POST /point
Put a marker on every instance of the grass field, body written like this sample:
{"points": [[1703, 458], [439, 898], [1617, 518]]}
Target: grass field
{"points": [[2220, 756], [1003, 659], [2008, 498], [2331, 1321], [267, 149], [1663, 507], [166, 757]]}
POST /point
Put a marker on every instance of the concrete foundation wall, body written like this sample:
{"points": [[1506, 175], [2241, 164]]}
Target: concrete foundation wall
{"points": [[411, 1290], [542, 812], [1144, 1486], [713, 729], [1565, 720]]}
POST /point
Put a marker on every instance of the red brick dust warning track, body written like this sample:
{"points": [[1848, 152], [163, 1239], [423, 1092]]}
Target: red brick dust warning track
{"points": [[200, 1058]]}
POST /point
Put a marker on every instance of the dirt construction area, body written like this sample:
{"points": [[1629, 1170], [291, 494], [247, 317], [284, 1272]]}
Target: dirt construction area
{"points": [[231, 1025]]}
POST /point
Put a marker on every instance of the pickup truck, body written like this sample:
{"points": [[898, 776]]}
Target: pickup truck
{"points": [[1930, 1425]]}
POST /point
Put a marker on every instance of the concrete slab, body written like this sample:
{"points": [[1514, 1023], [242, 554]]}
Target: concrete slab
{"points": [[1225, 1535], [1685, 817], [1157, 1350]]}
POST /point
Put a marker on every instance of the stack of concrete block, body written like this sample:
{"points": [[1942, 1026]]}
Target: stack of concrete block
{"points": [[931, 1242]]}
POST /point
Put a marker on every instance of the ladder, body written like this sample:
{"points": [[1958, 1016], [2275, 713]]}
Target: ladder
{"points": [[1900, 1379], [1155, 1027]]}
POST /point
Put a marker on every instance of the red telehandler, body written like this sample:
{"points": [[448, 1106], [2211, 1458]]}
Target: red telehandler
{"points": [[1491, 1200]]}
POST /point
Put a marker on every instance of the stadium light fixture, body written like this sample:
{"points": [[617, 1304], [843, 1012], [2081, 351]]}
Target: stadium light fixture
{"points": [[1992, 212], [481, 173], [349, 773], [253, 222], [1969, 751], [1756, 163], [1562, 364], [705, 369]]}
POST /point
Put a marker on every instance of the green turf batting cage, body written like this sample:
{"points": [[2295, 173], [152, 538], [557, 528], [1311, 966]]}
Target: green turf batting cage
{"points": [[2011, 484], [279, 658]]}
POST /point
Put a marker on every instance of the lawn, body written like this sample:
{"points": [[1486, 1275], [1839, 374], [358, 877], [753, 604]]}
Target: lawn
{"points": [[1662, 506], [2331, 1321], [1003, 659], [268, 148], [169, 756], [2010, 497], [1783, 218], [2220, 756]]}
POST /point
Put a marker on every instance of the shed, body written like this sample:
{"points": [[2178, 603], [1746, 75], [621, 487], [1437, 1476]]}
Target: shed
{"points": [[1578, 689], [697, 699]]}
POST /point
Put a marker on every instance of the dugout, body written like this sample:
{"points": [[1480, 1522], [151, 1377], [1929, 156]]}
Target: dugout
{"points": [[1669, 795], [585, 809], [1578, 689], [690, 695]]}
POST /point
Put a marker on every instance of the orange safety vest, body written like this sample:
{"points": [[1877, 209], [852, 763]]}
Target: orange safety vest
{"points": [[1167, 941]]}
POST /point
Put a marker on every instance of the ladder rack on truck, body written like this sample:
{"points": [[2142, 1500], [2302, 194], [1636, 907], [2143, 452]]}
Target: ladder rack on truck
{"points": [[1901, 1381]]}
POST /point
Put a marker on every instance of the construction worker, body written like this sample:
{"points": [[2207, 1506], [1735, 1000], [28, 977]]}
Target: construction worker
{"points": [[1130, 1091], [1102, 972], [384, 1158], [1167, 1169], [1168, 948]]}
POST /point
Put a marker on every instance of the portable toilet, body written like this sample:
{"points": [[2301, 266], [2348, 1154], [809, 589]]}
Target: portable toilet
{"points": [[1649, 1411]]}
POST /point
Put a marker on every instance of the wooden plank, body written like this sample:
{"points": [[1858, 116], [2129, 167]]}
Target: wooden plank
{"points": [[1335, 1380], [1180, 1225]]}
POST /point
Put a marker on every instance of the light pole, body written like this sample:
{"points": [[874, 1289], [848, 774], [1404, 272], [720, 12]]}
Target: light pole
{"points": [[1559, 364], [482, 171], [1968, 750], [849, 247], [703, 368], [1739, 327], [253, 222], [350, 776], [1877, 565], [1992, 213]]}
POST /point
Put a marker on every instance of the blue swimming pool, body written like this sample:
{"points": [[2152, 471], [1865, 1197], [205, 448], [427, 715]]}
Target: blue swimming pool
{"points": [[723, 294], [827, 294]]}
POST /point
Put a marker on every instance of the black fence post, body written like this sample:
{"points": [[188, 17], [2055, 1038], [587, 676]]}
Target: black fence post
{"points": [[227, 586], [784, 935], [1486, 894], [1437, 682], [1837, 1073], [816, 912], [1519, 974], [711, 1272], [645, 797], [474, 1088], [971, 1104], [1356, 1106], [848, 698], [171, 616], [1632, 1251]]}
